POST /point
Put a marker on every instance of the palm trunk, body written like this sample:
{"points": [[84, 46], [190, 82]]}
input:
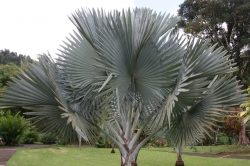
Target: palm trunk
{"points": [[179, 150], [179, 161], [113, 148], [216, 137], [124, 136], [243, 140], [129, 160]]}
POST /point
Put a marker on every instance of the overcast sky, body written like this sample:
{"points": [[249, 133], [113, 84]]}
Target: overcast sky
{"points": [[33, 27]]}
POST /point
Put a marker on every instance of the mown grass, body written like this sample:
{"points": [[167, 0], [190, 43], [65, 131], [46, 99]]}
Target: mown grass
{"points": [[65, 156], [221, 149]]}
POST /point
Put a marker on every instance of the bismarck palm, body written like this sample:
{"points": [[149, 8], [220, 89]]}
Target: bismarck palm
{"points": [[128, 70]]}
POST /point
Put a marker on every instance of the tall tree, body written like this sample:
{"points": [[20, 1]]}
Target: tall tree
{"points": [[231, 125], [128, 71], [10, 64], [246, 113], [12, 57], [245, 119], [226, 22], [6, 73]]}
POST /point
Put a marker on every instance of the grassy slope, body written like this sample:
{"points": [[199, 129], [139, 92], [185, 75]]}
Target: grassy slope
{"points": [[64, 156]]}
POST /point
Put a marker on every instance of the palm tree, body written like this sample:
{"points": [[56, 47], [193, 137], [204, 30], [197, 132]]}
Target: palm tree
{"points": [[127, 70]]}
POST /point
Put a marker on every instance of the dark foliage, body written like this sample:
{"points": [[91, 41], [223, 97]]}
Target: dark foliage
{"points": [[12, 128], [48, 138], [6, 56], [226, 22], [30, 137]]}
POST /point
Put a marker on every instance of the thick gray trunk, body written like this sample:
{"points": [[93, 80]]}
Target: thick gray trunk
{"points": [[129, 160]]}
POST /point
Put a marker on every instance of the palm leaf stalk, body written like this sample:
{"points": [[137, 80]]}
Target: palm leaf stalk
{"points": [[128, 69]]}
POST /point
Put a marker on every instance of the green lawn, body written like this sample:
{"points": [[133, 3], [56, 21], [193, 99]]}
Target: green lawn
{"points": [[65, 156], [221, 149]]}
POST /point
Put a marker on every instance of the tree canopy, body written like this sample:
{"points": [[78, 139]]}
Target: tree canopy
{"points": [[6, 73], [246, 113], [226, 22], [10, 65], [6, 56]]}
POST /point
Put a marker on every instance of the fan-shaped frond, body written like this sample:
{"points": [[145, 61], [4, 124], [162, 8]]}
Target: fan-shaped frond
{"points": [[38, 89], [127, 52], [198, 119]]}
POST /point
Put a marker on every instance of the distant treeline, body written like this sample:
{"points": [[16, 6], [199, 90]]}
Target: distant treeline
{"points": [[6, 56]]}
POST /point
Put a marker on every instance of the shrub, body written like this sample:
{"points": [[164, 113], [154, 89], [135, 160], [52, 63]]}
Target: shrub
{"points": [[63, 142], [1, 113], [224, 139], [48, 138], [30, 137], [12, 128], [160, 142], [102, 141]]}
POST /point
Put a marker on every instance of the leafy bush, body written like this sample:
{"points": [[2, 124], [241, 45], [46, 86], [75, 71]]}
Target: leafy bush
{"points": [[102, 141], [160, 142], [12, 128], [224, 139], [63, 142], [1, 113], [30, 137], [48, 138]]}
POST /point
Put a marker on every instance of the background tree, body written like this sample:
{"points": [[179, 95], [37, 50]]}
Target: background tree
{"points": [[10, 65], [231, 126], [245, 114], [6, 56], [6, 73], [128, 71], [226, 22]]}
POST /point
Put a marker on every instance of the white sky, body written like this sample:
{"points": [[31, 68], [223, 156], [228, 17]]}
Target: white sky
{"points": [[33, 27]]}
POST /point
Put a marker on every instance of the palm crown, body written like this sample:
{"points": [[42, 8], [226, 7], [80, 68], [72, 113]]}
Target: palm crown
{"points": [[127, 70]]}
